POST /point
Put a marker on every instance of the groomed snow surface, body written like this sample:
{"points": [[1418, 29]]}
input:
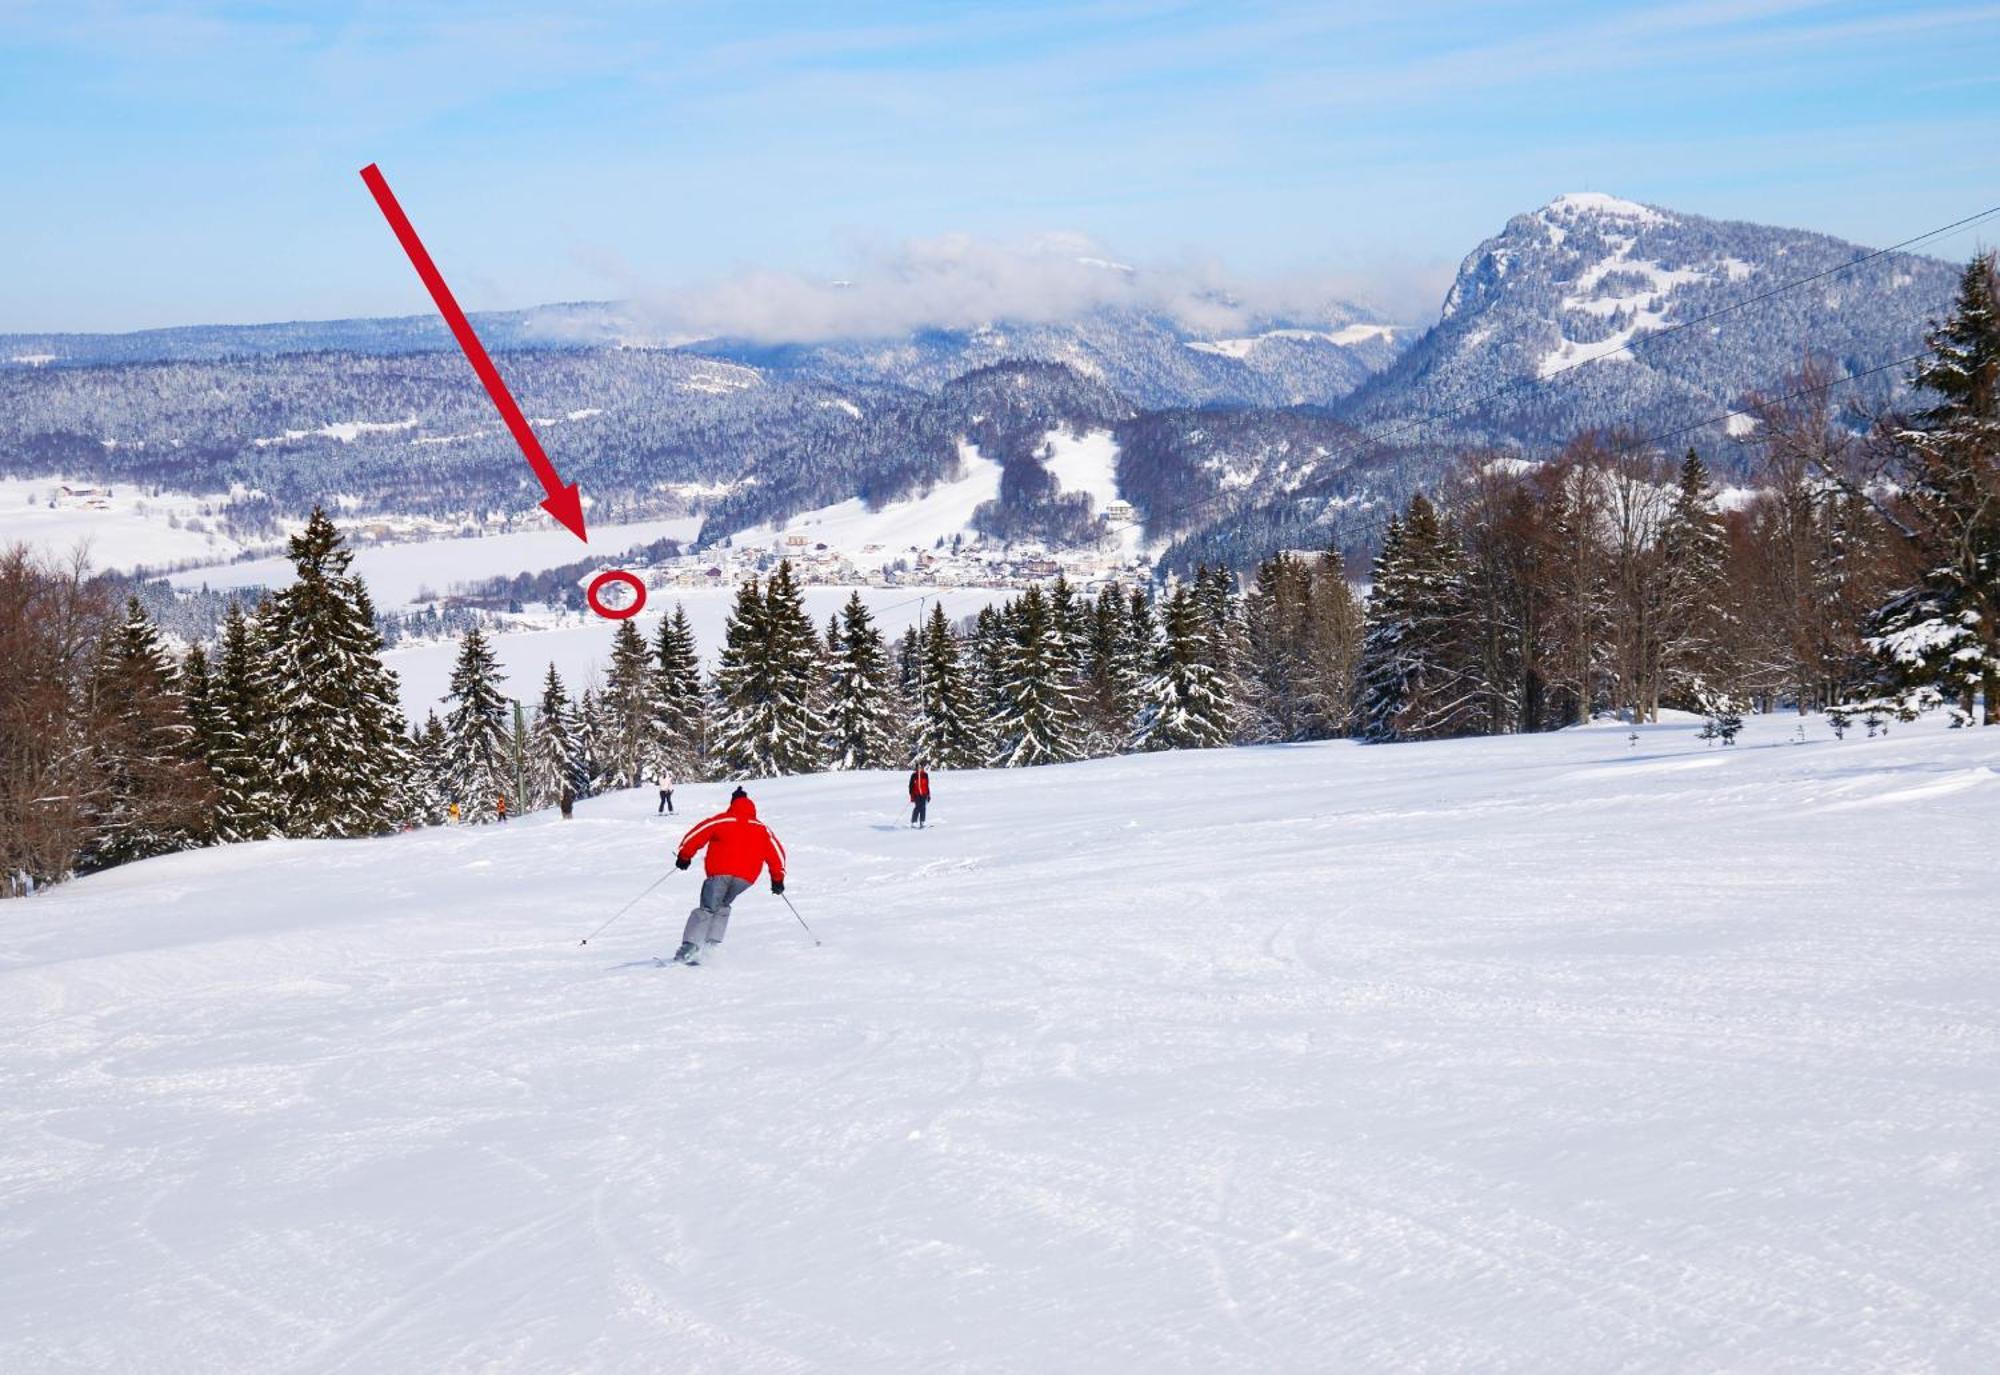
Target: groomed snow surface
{"points": [[1546, 1054]]}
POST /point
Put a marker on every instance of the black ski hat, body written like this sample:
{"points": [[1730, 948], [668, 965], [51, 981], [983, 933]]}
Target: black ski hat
{"points": [[738, 793]]}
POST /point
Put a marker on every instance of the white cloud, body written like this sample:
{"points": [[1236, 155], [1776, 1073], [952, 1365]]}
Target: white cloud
{"points": [[959, 281]]}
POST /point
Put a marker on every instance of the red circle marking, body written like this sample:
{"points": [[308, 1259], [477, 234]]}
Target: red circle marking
{"points": [[616, 613]]}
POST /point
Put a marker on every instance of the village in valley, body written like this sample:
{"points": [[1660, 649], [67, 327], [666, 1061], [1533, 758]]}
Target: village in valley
{"points": [[960, 559]]}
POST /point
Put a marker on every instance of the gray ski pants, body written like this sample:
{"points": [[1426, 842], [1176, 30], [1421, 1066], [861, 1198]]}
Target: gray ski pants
{"points": [[708, 922]]}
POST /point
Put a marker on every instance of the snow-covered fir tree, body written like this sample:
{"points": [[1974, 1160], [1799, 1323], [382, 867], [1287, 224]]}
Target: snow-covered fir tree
{"points": [[1110, 704], [683, 707], [987, 658], [205, 724], [430, 753], [336, 731], [1070, 624], [1186, 703], [1413, 681], [1694, 620], [477, 731], [1941, 636], [768, 691], [1274, 615], [152, 795], [242, 754], [1137, 648], [1040, 720], [1333, 633], [949, 732], [555, 751], [590, 735], [633, 741], [865, 705]]}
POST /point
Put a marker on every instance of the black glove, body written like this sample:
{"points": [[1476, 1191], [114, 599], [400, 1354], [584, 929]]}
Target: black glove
{"points": [[777, 885], [682, 861]]}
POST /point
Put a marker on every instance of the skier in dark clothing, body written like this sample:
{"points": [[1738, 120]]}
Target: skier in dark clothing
{"points": [[666, 786], [739, 848], [920, 794], [567, 802]]}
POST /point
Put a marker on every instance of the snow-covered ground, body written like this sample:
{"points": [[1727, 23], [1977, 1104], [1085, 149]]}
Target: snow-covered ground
{"points": [[123, 530], [1549, 1054], [1086, 462], [581, 645], [900, 526], [399, 574]]}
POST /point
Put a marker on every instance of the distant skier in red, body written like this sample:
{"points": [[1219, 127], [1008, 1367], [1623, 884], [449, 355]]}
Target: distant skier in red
{"points": [[920, 794], [739, 848]]}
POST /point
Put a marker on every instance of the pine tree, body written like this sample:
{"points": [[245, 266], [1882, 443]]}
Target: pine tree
{"points": [[430, 752], [1415, 679], [949, 732], [1039, 721], [1694, 619], [152, 795], [336, 730], [864, 702], [242, 756], [1108, 697], [1137, 650], [591, 734], [1333, 631], [992, 633], [206, 730], [1070, 626], [634, 740], [1276, 648], [478, 765], [555, 751], [1187, 699], [1941, 636], [769, 690], [683, 718]]}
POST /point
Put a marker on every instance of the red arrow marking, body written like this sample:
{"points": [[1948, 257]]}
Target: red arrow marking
{"points": [[563, 501]]}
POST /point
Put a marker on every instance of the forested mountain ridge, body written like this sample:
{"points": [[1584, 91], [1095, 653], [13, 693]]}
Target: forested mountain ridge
{"points": [[1541, 314], [1276, 434]]}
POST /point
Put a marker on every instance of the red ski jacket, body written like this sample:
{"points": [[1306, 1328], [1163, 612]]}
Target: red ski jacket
{"points": [[737, 842], [920, 784]]}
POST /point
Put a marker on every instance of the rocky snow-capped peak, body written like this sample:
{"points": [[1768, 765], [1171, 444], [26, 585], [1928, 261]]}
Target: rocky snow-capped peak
{"points": [[1557, 307]]}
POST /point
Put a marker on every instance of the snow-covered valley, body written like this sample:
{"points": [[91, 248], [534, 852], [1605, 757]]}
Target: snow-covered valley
{"points": [[1545, 1053]]}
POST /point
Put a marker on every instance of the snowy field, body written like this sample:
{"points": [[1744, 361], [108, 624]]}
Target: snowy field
{"points": [[1086, 463], [581, 646], [401, 574], [131, 530], [1547, 1054], [900, 526]]}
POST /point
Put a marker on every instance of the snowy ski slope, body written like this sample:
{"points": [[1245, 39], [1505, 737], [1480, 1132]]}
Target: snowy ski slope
{"points": [[1547, 1054]]}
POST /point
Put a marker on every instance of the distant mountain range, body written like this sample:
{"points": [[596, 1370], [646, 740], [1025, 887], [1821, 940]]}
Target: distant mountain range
{"points": [[1269, 434]]}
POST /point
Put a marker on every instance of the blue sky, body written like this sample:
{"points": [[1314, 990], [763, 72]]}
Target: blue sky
{"points": [[181, 162]]}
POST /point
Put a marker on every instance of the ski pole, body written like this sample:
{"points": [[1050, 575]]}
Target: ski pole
{"points": [[630, 905], [802, 921]]}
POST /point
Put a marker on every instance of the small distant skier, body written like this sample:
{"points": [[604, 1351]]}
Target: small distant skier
{"points": [[920, 794], [567, 802], [454, 813], [666, 782], [739, 847], [500, 808]]}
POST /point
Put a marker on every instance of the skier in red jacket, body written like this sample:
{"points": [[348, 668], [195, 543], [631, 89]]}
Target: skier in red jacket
{"points": [[920, 794], [739, 848]]}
